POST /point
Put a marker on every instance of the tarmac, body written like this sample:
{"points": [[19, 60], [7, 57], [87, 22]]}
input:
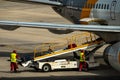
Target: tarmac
{"points": [[24, 40]]}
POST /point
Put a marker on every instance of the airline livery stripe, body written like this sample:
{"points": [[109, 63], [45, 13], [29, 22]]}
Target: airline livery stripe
{"points": [[119, 57], [85, 13]]}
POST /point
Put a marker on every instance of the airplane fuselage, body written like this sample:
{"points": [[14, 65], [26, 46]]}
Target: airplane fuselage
{"points": [[95, 12], [75, 10]]}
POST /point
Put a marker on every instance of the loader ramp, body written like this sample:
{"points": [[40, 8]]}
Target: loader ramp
{"points": [[66, 51]]}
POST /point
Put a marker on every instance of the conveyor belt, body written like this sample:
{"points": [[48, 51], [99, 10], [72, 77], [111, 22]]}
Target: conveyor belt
{"points": [[66, 51]]}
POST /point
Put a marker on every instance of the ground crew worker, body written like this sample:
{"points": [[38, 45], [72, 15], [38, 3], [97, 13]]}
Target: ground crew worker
{"points": [[82, 61], [13, 60], [50, 50]]}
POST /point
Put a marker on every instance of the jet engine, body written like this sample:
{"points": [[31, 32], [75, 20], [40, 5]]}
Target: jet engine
{"points": [[60, 31], [112, 55], [9, 27]]}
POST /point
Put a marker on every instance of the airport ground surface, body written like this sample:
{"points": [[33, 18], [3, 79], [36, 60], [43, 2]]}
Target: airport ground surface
{"points": [[24, 40]]}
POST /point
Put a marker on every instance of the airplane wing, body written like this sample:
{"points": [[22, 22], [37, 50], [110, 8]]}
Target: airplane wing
{"points": [[48, 2], [11, 25]]}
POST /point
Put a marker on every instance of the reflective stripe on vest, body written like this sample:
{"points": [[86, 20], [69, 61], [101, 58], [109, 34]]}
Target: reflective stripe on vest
{"points": [[13, 57], [82, 57]]}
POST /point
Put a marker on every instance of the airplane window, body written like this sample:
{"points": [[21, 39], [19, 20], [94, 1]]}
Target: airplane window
{"points": [[86, 5], [105, 6], [96, 6], [108, 6], [91, 5], [102, 6], [99, 6]]}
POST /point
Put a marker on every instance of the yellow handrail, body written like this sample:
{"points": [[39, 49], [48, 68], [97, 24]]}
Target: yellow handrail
{"points": [[78, 39]]}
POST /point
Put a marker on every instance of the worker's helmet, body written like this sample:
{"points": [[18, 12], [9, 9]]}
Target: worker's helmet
{"points": [[14, 51]]}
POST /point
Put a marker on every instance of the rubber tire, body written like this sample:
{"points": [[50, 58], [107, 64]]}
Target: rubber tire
{"points": [[46, 68]]}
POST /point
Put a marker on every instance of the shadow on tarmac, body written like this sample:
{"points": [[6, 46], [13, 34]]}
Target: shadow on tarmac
{"points": [[64, 78], [104, 71], [7, 54]]}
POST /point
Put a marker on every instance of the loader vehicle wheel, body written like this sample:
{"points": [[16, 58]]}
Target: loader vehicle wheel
{"points": [[46, 68]]}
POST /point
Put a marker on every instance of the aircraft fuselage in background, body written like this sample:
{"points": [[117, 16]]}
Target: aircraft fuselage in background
{"points": [[105, 12], [96, 12]]}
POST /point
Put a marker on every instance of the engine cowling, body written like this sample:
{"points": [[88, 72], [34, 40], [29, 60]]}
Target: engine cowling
{"points": [[112, 55], [10, 28], [60, 31]]}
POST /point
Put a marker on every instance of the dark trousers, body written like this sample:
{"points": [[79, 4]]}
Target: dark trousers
{"points": [[13, 66]]}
